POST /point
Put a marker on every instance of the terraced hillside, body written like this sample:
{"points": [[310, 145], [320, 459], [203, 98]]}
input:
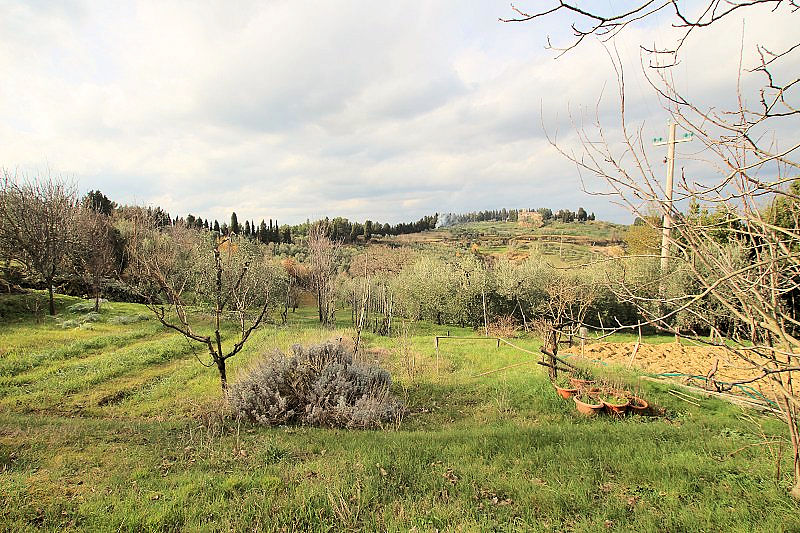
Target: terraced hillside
{"points": [[110, 423], [561, 242]]}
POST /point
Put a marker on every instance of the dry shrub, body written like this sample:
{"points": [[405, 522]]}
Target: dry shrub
{"points": [[504, 326], [319, 385]]}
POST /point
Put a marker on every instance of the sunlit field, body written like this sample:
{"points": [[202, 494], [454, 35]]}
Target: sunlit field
{"points": [[111, 423]]}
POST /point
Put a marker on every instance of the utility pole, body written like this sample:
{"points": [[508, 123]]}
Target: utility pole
{"points": [[665, 232]]}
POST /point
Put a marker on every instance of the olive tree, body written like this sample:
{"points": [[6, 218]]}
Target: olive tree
{"points": [[426, 289]]}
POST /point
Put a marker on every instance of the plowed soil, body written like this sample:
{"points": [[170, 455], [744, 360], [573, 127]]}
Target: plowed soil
{"points": [[669, 357]]}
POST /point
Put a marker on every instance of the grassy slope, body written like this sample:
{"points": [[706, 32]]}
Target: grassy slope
{"points": [[517, 241], [112, 428]]}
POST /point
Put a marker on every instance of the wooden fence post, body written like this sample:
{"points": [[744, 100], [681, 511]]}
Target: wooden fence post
{"points": [[437, 355]]}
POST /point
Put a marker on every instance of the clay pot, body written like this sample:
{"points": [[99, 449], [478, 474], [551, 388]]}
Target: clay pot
{"points": [[565, 393], [581, 383], [637, 405], [617, 408], [588, 409]]}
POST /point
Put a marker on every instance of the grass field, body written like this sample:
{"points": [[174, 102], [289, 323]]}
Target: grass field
{"points": [[112, 425]]}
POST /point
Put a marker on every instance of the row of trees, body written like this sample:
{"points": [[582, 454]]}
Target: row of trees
{"points": [[51, 238], [343, 230], [513, 215], [263, 232], [338, 229], [474, 290]]}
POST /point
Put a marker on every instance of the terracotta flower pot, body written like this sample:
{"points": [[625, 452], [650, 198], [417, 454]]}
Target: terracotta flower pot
{"points": [[581, 383], [565, 393], [588, 409], [638, 405], [617, 408]]}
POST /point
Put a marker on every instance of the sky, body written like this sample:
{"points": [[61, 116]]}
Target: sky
{"points": [[289, 111]]}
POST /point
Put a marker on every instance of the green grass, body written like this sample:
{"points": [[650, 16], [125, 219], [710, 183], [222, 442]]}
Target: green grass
{"points": [[115, 428]]}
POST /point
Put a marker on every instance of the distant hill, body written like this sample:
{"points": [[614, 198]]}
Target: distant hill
{"points": [[561, 242]]}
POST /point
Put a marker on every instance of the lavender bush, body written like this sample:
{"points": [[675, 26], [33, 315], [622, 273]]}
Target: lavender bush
{"points": [[318, 385]]}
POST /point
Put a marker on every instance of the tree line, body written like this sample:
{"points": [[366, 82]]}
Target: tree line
{"points": [[337, 228], [51, 238]]}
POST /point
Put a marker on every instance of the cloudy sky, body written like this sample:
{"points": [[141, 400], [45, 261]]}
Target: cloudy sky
{"points": [[387, 111]]}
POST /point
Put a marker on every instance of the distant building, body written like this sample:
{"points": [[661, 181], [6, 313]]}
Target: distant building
{"points": [[530, 218]]}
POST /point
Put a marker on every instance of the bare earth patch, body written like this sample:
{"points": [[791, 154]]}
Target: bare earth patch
{"points": [[669, 357]]}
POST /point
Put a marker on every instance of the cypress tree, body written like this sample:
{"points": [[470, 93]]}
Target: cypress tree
{"points": [[99, 202], [262, 231], [216, 226], [234, 223]]}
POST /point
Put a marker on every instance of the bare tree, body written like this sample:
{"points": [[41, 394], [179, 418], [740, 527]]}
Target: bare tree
{"points": [[745, 259], [322, 255], [37, 223], [296, 275], [202, 286], [93, 256]]}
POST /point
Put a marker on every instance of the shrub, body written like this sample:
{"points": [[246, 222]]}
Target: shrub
{"points": [[69, 324], [319, 385], [82, 307], [91, 317], [503, 326]]}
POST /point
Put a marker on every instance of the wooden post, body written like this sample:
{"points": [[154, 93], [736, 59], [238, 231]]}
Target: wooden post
{"points": [[437, 354], [485, 320], [636, 348], [584, 332], [667, 207]]}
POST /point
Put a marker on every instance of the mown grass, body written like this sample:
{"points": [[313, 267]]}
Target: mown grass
{"points": [[118, 429]]}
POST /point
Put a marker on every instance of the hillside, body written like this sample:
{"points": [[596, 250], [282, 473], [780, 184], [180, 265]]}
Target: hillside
{"points": [[561, 242]]}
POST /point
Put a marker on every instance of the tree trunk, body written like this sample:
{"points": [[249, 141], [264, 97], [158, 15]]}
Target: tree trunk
{"points": [[50, 295], [485, 320], [222, 375], [97, 301]]}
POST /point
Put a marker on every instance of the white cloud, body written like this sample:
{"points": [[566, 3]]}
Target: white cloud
{"points": [[386, 112]]}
